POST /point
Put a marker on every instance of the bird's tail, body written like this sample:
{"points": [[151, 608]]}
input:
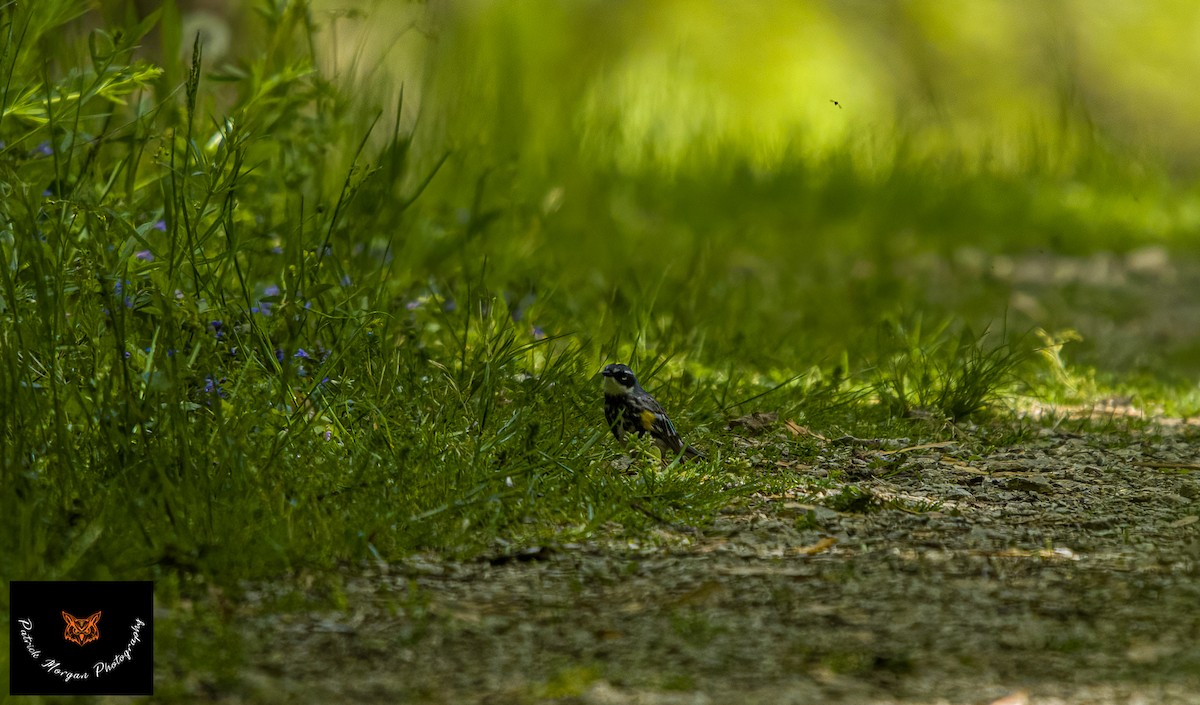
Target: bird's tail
{"points": [[690, 453]]}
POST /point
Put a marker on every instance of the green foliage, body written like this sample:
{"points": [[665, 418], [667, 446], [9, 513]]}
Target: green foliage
{"points": [[950, 376]]}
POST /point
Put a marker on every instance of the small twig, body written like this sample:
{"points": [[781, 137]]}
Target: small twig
{"points": [[923, 446], [1173, 466]]}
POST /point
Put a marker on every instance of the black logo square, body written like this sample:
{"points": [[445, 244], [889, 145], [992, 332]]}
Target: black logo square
{"points": [[81, 638]]}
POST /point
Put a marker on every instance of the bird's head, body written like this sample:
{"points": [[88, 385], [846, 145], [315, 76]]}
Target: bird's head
{"points": [[618, 379]]}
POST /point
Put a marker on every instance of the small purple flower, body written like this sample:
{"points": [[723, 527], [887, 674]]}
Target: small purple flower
{"points": [[160, 225], [279, 354], [127, 354], [45, 149], [277, 250], [328, 434], [538, 333], [212, 386], [271, 290], [345, 280], [300, 353], [412, 305], [47, 193], [144, 255], [120, 290]]}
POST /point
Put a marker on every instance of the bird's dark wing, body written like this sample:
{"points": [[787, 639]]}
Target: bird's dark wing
{"points": [[659, 426]]}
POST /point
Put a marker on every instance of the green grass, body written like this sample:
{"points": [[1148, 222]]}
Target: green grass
{"points": [[247, 331]]}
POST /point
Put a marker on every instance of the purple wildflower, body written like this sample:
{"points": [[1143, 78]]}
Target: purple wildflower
{"points": [[212, 386], [160, 225], [119, 290], [144, 255]]}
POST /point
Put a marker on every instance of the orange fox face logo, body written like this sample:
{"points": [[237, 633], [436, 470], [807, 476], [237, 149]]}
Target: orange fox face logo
{"points": [[81, 631]]}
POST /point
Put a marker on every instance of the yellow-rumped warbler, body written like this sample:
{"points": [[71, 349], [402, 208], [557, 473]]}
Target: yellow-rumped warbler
{"points": [[630, 409]]}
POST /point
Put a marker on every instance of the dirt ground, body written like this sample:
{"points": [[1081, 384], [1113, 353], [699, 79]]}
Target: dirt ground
{"points": [[1062, 571]]}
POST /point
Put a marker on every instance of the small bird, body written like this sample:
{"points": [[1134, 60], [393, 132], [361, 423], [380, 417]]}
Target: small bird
{"points": [[630, 409]]}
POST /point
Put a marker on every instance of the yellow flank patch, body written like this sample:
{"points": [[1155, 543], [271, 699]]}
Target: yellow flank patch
{"points": [[648, 420]]}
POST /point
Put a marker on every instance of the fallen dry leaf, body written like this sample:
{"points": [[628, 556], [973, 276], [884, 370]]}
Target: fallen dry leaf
{"points": [[798, 430], [823, 545], [1021, 697]]}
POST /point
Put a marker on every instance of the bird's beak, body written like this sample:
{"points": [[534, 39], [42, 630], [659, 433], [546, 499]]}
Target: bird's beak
{"points": [[605, 373]]}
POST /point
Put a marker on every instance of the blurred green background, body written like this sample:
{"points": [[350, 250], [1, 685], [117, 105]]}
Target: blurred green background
{"points": [[671, 85], [990, 160]]}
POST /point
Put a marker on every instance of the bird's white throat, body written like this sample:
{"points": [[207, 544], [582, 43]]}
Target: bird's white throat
{"points": [[613, 388]]}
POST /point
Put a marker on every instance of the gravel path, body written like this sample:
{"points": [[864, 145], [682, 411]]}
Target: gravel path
{"points": [[1061, 571]]}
